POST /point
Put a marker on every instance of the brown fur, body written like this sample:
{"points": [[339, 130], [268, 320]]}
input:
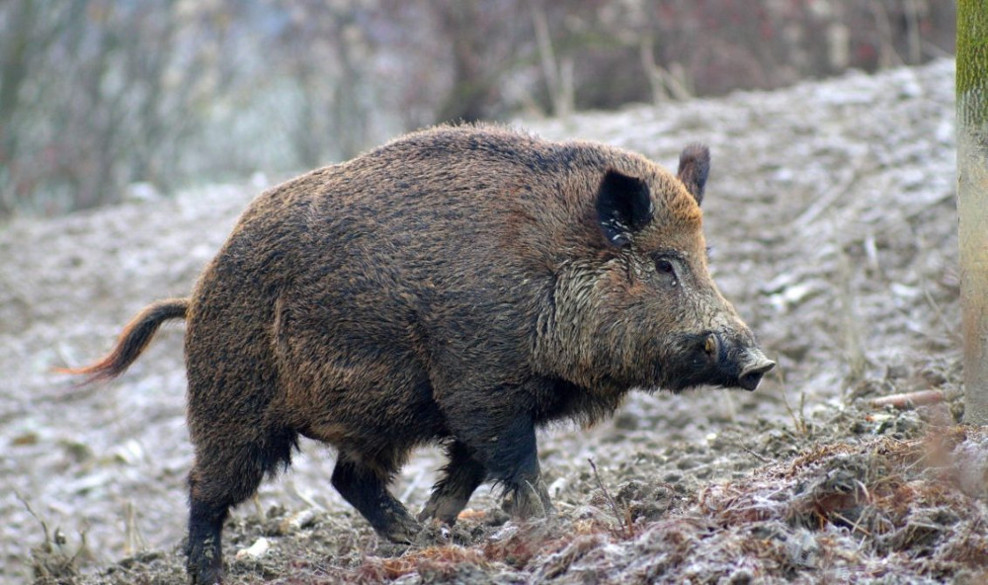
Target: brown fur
{"points": [[461, 284]]}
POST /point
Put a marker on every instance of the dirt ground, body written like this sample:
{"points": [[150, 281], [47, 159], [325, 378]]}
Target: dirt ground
{"points": [[831, 213]]}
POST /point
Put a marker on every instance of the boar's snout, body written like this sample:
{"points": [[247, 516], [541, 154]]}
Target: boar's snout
{"points": [[734, 362], [758, 365]]}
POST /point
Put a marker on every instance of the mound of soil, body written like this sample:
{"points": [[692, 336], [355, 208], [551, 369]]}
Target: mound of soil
{"points": [[831, 213]]}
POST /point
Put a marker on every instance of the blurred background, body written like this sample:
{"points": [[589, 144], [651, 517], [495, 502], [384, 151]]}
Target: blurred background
{"points": [[104, 99]]}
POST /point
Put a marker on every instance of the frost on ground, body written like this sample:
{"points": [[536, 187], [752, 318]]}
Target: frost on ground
{"points": [[831, 213]]}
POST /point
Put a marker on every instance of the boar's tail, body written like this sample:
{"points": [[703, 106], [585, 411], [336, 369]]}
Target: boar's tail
{"points": [[134, 339]]}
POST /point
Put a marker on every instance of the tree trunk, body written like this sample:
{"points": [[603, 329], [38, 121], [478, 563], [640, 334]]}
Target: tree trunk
{"points": [[473, 85], [972, 200], [14, 56]]}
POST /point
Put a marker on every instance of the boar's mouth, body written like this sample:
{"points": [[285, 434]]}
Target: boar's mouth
{"points": [[715, 359]]}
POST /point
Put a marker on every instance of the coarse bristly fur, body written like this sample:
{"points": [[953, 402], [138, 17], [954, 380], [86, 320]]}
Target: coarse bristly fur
{"points": [[461, 284]]}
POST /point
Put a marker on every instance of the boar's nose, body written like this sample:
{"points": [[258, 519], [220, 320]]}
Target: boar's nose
{"points": [[756, 367]]}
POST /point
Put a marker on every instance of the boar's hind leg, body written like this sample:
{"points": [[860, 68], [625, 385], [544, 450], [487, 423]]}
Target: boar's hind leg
{"points": [[366, 490], [461, 476], [227, 471], [205, 561]]}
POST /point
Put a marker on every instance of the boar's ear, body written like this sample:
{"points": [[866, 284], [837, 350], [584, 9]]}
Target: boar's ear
{"points": [[624, 206], [694, 166]]}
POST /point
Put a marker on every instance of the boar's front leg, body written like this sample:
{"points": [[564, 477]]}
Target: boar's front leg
{"points": [[461, 476], [366, 490], [500, 431]]}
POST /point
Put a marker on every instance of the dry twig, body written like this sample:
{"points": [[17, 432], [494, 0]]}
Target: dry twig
{"points": [[624, 519], [909, 400]]}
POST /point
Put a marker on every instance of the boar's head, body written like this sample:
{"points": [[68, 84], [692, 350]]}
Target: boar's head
{"points": [[643, 311]]}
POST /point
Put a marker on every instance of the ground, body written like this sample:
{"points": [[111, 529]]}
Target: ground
{"points": [[831, 213]]}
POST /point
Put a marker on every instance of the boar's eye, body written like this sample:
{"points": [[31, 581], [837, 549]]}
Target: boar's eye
{"points": [[667, 270]]}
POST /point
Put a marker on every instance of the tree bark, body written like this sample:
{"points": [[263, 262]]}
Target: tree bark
{"points": [[972, 200]]}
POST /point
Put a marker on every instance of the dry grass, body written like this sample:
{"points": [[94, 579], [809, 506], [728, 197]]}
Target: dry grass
{"points": [[435, 563]]}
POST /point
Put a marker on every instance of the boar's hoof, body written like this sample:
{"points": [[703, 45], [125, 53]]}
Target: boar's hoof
{"points": [[442, 508], [205, 575], [209, 573], [529, 500], [402, 531]]}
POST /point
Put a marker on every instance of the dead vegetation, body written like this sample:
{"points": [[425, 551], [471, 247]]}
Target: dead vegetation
{"points": [[902, 497]]}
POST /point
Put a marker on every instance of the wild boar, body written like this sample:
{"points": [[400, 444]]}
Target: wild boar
{"points": [[461, 285]]}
